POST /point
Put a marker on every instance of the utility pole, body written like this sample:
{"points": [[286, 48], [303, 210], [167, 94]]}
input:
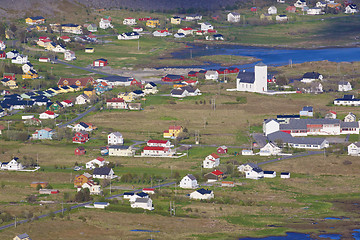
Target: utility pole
{"points": [[191, 53], [62, 208], [139, 45], [110, 185], [15, 221], [213, 104], [37, 159]]}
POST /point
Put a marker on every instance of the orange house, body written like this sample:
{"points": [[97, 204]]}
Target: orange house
{"points": [[42, 184], [81, 179]]}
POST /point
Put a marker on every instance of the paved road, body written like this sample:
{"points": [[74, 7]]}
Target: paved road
{"points": [[292, 156], [80, 205], [82, 68], [78, 117]]}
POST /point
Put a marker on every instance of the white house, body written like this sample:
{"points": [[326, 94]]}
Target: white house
{"points": [[159, 143], [129, 36], [350, 117], [306, 111], [13, 165], [253, 81], [211, 161], [281, 18], [121, 151], [69, 55], [347, 100], [311, 76], [104, 173], [81, 126], [202, 194], [116, 103], [186, 31], [300, 3], [269, 149], [27, 67], [247, 152], [285, 175], [59, 49], [251, 171], [350, 9], [133, 197], [270, 126], [211, 75], [97, 162], [269, 174], [115, 138], [321, 4], [354, 149], [344, 86], [189, 181], [82, 99], [145, 203], [101, 205], [95, 189], [150, 88], [48, 115], [331, 115], [272, 10], [12, 54], [129, 21], [314, 11], [206, 26], [233, 17], [161, 33], [2, 45], [157, 152], [20, 59], [105, 24]]}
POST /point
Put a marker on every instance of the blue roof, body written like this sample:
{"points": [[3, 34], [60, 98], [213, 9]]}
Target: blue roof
{"points": [[128, 193], [307, 108], [101, 203], [203, 191], [142, 194]]}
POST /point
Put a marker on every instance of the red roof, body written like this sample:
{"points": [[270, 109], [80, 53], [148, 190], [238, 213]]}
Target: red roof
{"points": [[156, 148], [45, 40], [212, 31], [175, 127], [64, 37], [191, 81], [115, 100], [333, 112], [100, 159], [43, 37], [214, 155], [157, 141], [217, 172], [2, 127], [162, 31], [67, 101], [49, 112], [43, 58], [148, 189], [47, 129], [91, 36]]}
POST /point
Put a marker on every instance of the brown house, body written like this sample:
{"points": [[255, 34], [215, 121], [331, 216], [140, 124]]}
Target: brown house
{"points": [[80, 82], [214, 176], [81, 179], [42, 184]]}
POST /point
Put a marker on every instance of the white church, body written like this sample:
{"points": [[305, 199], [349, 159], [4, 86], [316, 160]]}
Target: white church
{"points": [[253, 81]]}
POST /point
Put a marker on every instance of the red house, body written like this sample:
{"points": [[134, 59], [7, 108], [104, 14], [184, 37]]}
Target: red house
{"points": [[233, 70], [212, 31], [222, 150], [253, 9], [145, 19], [291, 9], [10, 76], [173, 78], [80, 151], [101, 62], [193, 74], [2, 54], [223, 71], [136, 83], [81, 137]]}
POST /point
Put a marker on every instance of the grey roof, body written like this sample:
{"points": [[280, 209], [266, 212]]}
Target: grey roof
{"points": [[23, 236], [119, 147], [188, 88], [142, 200], [302, 123], [288, 116], [261, 64], [312, 75], [131, 34], [343, 83], [253, 165], [117, 134], [117, 79], [269, 120], [191, 177], [349, 124], [246, 77], [287, 138], [177, 92], [235, 14], [356, 144], [307, 108], [102, 171]]}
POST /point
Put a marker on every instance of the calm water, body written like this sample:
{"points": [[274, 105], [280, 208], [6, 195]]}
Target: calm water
{"points": [[271, 56]]}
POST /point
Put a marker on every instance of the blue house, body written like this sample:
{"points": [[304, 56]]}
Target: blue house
{"points": [[102, 87], [45, 133]]}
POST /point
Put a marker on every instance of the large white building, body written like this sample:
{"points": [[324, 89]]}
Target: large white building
{"points": [[115, 138], [253, 81], [189, 181], [233, 17]]}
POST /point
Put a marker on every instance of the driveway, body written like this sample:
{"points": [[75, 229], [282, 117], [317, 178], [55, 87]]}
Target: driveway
{"points": [[78, 117]]}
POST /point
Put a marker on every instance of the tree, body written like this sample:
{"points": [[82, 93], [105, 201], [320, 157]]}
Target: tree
{"points": [[38, 187], [282, 80]]}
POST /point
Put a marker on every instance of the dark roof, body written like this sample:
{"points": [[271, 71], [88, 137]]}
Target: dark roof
{"points": [[288, 116], [217, 35], [128, 193], [312, 75], [173, 76], [307, 108], [191, 177], [202, 191], [142, 200], [152, 84], [23, 236], [117, 79], [287, 138], [102, 171], [119, 147], [302, 123], [69, 25], [261, 64], [83, 124], [349, 124], [101, 59], [246, 77], [285, 173], [131, 34], [268, 172], [142, 194], [37, 18], [138, 92], [177, 92]]}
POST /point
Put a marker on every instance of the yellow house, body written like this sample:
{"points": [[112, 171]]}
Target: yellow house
{"points": [[128, 97], [173, 132], [30, 75], [89, 50], [179, 85], [71, 28], [266, 16], [61, 90], [89, 92], [9, 83], [55, 89], [35, 20], [153, 23], [50, 46], [41, 28], [74, 88], [175, 20]]}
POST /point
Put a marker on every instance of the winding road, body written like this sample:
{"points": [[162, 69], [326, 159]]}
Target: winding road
{"points": [[78, 117]]}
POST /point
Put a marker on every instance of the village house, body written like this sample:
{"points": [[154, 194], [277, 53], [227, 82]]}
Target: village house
{"points": [[186, 91], [35, 20], [157, 152], [350, 117], [134, 106], [101, 62], [311, 76], [138, 29], [94, 188], [19, 59], [36, 184], [12, 54], [71, 28], [193, 17], [69, 55], [175, 20], [59, 49], [82, 126], [222, 150], [23, 236], [272, 10], [211, 161], [251, 171], [281, 18], [269, 174], [173, 132], [129, 21], [89, 50], [285, 175], [347, 100], [233, 17], [13, 165], [291, 9], [152, 23], [91, 27], [266, 16], [354, 149], [227, 184], [44, 59], [314, 11], [48, 191], [116, 103], [150, 88], [344, 86], [80, 151], [104, 173], [145, 203], [297, 142], [82, 99], [269, 149], [173, 78], [179, 35], [214, 176], [46, 133], [129, 36], [115, 138], [81, 137], [80, 82], [97, 162], [300, 3], [2, 54], [351, 9], [206, 26], [306, 111], [159, 143], [161, 33], [331, 115], [9, 83], [132, 197], [105, 24], [253, 81], [64, 38], [121, 151], [119, 81], [2, 46], [48, 115], [202, 194], [79, 180], [211, 75], [321, 4], [189, 181], [149, 190]]}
